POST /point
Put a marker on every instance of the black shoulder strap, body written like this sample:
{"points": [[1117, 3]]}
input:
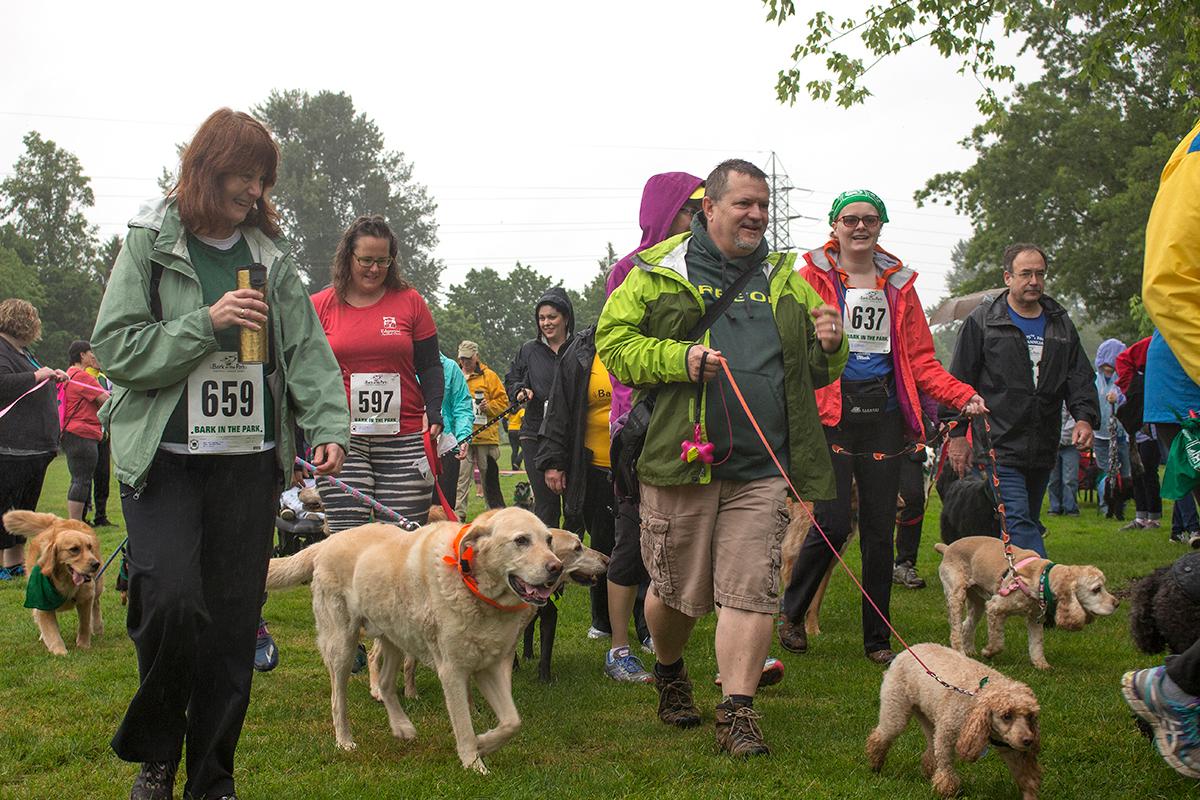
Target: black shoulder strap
{"points": [[156, 271], [722, 303]]}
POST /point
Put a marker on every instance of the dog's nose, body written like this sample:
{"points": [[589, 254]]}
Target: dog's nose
{"points": [[1027, 742], [93, 565], [554, 568]]}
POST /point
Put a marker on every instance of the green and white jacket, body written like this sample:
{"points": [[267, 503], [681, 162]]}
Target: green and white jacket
{"points": [[149, 361], [640, 340]]}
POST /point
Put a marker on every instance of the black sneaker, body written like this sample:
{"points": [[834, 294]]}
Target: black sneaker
{"points": [[266, 654], [102, 522], [155, 781], [905, 574]]}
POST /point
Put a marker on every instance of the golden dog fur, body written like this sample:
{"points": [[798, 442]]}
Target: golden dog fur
{"points": [[399, 589], [68, 553], [1002, 712], [971, 570]]}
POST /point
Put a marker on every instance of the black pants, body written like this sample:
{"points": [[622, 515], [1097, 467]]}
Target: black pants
{"points": [[625, 567], [910, 519], [547, 506], [448, 480], [200, 536], [81, 462], [599, 517], [21, 479], [101, 478], [1147, 494], [1184, 669], [878, 482], [514, 442]]}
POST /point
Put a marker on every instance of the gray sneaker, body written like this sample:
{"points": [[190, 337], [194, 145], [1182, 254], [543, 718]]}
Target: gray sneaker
{"points": [[1176, 726], [905, 574], [624, 667]]}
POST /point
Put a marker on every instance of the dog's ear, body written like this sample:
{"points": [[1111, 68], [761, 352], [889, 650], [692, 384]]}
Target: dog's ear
{"points": [[973, 738], [48, 560], [1070, 615], [28, 523]]}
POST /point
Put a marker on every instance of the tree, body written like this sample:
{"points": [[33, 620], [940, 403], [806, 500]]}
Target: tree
{"points": [[18, 279], [453, 326], [503, 307], [44, 199], [334, 167], [1113, 34], [591, 302], [106, 257], [1075, 169]]}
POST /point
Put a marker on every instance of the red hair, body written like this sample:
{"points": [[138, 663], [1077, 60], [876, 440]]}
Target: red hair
{"points": [[227, 143]]}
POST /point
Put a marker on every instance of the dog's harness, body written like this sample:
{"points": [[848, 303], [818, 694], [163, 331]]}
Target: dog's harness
{"points": [[1044, 596], [40, 592], [462, 562]]}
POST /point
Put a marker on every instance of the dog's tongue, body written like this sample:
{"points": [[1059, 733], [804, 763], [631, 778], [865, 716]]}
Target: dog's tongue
{"points": [[76, 577], [534, 592]]}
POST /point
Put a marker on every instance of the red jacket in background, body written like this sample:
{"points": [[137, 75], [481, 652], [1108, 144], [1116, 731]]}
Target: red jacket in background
{"points": [[82, 404], [916, 368], [1131, 361]]}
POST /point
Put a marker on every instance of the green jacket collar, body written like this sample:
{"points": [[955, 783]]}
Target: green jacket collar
{"points": [[162, 216]]}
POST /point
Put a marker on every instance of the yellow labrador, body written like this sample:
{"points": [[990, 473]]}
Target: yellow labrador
{"points": [[67, 553], [452, 596]]}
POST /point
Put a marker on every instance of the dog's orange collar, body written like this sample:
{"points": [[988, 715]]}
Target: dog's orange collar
{"points": [[462, 562]]}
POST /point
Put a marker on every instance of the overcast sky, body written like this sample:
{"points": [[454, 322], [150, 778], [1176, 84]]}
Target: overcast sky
{"points": [[534, 124]]}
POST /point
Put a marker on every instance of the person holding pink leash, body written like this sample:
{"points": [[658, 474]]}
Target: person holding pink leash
{"points": [[873, 409]]}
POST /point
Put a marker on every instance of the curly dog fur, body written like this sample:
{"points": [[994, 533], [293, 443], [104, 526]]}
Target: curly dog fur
{"points": [[1002, 713], [1164, 615]]}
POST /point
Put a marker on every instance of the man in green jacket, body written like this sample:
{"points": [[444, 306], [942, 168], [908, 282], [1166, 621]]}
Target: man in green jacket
{"points": [[711, 532]]}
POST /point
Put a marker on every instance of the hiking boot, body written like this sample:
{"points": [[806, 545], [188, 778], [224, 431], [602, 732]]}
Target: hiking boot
{"points": [[882, 657], [772, 673], [792, 637], [596, 633], [1176, 725], [155, 781], [675, 704], [266, 654], [738, 732], [624, 667], [905, 574]]}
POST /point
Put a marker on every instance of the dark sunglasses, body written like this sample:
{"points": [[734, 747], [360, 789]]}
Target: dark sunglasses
{"points": [[851, 221]]}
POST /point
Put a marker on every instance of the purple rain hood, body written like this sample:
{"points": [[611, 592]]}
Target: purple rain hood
{"points": [[662, 198]]}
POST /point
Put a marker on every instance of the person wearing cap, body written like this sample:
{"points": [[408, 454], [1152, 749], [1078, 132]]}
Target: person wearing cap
{"points": [[712, 527], [489, 399], [1023, 352], [81, 431], [529, 380], [874, 409]]}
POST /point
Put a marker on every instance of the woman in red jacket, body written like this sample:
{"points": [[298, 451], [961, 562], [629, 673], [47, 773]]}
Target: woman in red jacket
{"points": [[81, 432], [873, 409]]}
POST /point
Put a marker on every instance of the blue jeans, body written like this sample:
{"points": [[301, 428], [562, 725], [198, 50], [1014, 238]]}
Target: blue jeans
{"points": [[1064, 481], [1022, 492]]}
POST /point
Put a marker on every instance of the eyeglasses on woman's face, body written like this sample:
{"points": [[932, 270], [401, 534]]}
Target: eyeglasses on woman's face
{"points": [[367, 263], [851, 221]]}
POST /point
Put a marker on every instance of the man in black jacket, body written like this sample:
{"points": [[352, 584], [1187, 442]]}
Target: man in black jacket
{"points": [[1022, 353]]}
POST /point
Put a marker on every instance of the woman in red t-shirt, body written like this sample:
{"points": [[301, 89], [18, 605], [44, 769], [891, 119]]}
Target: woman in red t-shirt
{"points": [[81, 434], [385, 342]]}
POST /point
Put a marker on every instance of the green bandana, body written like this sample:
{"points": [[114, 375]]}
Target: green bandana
{"points": [[857, 196], [40, 592], [1048, 596]]}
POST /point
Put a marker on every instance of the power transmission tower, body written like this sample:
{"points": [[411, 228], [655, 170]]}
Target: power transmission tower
{"points": [[780, 185]]}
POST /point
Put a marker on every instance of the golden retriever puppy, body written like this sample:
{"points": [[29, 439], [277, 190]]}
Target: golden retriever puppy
{"points": [[1002, 713], [66, 555], [451, 595], [971, 573]]}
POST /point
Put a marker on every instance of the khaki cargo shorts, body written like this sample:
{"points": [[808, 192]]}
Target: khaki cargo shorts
{"points": [[715, 543]]}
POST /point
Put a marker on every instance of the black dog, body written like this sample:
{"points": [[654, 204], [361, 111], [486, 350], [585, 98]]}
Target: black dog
{"points": [[968, 508], [1166, 607]]}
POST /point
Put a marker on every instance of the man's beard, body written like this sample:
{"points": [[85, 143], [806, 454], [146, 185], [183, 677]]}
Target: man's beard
{"points": [[745, 244]]}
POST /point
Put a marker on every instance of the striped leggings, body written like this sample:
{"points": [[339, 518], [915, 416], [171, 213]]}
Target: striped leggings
{"points": [[383, 467]]}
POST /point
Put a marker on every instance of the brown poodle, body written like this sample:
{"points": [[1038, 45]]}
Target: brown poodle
{"points": [[67, 553], [971, 573], [1002, 713]]}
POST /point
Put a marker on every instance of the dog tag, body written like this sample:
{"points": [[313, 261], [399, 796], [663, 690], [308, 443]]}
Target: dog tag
{"points": [[375, 403], [225, 413], [867, 321]]}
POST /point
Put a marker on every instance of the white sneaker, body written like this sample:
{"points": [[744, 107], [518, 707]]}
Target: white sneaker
{"points": [[596, 633], [648, 645]]}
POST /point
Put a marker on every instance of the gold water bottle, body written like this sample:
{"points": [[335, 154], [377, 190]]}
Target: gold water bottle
{"points": [[252, 348]]}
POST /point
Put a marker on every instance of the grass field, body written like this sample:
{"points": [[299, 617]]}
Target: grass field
{"points": [[583, 735]]}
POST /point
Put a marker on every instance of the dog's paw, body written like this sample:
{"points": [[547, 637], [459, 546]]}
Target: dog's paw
{"points": [[375, 694], [476, 765], [82, 644], [411, 694], [347, 745], [988, 652], [57, 651], [405, 731], [1042, 665]]}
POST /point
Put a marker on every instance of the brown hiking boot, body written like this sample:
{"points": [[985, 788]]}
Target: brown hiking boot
{"points": [[738, 733], [675, 704], [792, 637]]}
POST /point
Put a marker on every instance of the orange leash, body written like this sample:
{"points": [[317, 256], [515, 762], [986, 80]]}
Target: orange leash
{"points": [[750, 416], [462, 562]]}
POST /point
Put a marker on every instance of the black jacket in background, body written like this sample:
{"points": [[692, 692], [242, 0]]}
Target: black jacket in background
{"points": [[561, 441], [991, 355], [32, 424], [533, 366]]}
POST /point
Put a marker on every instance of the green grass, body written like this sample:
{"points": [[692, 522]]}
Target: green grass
{"points": [[583, 735]]}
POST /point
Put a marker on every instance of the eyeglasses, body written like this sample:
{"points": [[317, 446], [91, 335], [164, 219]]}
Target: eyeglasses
{"points": [[366, 263], [1030, 274], [850, 221]]}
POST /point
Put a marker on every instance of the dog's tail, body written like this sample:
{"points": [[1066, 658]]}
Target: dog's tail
{"points": [[941, 548], [1143, 625], [293, 570]]}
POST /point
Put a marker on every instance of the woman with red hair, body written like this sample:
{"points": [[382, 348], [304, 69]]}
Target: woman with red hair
{"points": [[202, 440]]}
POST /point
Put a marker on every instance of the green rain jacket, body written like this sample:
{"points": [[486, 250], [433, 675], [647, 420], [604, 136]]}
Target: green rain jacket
{"points": [[149, 362], [640, 340]]}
